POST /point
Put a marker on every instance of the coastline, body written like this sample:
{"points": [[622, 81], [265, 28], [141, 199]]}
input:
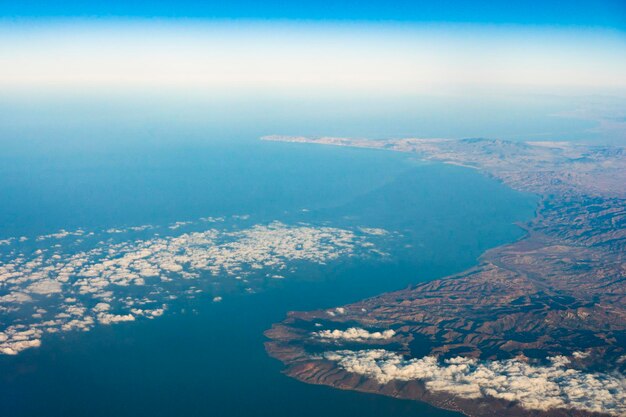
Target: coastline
{"points": [[535, 287]]}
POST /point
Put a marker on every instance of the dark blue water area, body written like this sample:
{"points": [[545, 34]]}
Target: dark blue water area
{"points": [[207, 359], [132, 184]]}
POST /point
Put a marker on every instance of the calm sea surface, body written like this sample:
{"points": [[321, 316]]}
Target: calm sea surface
{"points": [[207, 359]]}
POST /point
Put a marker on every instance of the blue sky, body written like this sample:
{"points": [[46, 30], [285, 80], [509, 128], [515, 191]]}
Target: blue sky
{"points": [[597, 13], [247, 47], [318, 54]]}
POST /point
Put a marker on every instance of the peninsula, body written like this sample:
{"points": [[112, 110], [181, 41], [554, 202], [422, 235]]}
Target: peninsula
{"points": [[536, 328]]}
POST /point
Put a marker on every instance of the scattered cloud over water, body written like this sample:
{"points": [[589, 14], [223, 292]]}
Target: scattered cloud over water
{"points": [[539, 387], [73, 280]]}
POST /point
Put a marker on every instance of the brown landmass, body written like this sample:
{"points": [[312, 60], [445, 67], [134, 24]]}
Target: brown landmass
{"points": [[559, 290]]}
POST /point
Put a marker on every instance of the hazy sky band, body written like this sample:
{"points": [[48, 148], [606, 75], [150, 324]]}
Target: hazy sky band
{"points": [[237, 55], [596, 13]]}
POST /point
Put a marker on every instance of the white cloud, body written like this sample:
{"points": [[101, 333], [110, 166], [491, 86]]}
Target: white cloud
{"points": [[100, 307], [539, 387], [354, 334], [45, 287], [106, 318], [118, 274], [16, 338], [61, 234], [15, 297], [373, 231]]}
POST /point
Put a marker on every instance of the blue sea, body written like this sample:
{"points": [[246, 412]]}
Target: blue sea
{"points": [[203, 358]]}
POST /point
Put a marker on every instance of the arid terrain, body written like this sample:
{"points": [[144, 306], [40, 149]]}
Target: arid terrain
{"points": [[537, 328]]}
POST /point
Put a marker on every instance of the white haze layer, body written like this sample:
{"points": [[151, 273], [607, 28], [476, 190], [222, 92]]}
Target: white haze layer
{"points": [[235, 57]]}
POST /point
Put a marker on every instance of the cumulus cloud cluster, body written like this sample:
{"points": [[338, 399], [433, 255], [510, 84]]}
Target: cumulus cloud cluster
{"points": [[354, 334], [74, 280], [539, 387]]}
